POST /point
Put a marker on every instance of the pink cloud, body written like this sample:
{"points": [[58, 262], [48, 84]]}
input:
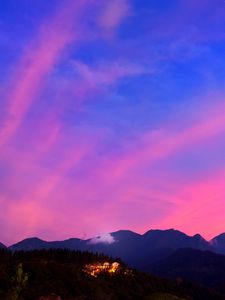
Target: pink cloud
{"points": [[109, 73], [36, 207], [156, 145], [22, 219], [109, 195], [200, 206], [38, 61], [90, 81], [115, 196], [114, 12]]}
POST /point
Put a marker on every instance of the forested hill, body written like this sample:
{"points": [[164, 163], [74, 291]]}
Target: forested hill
{"points": [[31, 275]]}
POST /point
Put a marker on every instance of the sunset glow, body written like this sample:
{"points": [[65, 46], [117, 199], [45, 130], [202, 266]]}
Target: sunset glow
{"points": [[112, 117]]}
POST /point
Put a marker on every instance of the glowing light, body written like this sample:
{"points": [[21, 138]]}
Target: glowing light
{"points": [[106, 267]]}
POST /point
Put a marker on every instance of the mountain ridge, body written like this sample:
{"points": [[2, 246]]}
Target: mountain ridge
{"points": [[202, 267], [135, 249], [119, 232]]}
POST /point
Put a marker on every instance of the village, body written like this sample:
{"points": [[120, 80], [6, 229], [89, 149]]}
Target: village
{"points": [[106, 267]]}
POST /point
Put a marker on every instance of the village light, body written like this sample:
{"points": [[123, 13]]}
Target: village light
{"points": [[106, 267]]}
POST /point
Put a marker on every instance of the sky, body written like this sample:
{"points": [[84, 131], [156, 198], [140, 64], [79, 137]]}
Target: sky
{"points": [[112, 116]]}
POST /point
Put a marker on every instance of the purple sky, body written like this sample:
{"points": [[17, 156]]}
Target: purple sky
{"points": [[112, 116]]}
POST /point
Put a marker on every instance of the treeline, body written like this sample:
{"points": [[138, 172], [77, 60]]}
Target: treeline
{"points": [[30, 275]]}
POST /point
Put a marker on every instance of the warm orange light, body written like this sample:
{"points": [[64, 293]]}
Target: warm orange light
{"points": [[98, 268]]}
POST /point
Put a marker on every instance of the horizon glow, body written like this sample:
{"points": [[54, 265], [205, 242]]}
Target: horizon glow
{"points": [[112, 117]]}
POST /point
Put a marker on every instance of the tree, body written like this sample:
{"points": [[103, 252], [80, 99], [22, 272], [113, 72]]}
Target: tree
{"points": [[19, 282]]}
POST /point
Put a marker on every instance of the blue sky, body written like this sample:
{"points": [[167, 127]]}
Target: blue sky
{"points": [[112, 116]]}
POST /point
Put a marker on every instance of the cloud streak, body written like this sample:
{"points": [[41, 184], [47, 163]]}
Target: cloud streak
{"points": [[38, 61], [114, 13], [163, 143], [84, 142]]}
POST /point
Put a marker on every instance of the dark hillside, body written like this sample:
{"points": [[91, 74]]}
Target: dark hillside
{"points": [[30, 275]]}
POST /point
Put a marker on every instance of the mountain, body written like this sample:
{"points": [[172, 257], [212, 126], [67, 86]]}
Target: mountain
{"points": [[2, 246], [126, 246], [157, 244], [136, 250], [202, 267], [174, 239], [30, 244], [38, 244], [218, 243], [64, 273], [168, 253]]}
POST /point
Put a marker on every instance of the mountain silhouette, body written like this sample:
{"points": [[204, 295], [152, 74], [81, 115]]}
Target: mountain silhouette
{"points": [[135, 249], [168, 253], [202, 267], [38, 244], [2, 246], [218, 243]]}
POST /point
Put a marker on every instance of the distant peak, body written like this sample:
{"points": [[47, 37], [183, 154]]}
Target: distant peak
{"points": [[198, 236], [220, 236], [2, 246], [218, 240], [161, 231], [34, 239], [125, 233]]}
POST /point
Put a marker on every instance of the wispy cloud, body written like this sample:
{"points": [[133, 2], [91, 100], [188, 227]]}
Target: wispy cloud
{"points": [[109, 73], [39, 59], [114, 13], [103, 239], [198, 201], [68, 164], [163, 143]]}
